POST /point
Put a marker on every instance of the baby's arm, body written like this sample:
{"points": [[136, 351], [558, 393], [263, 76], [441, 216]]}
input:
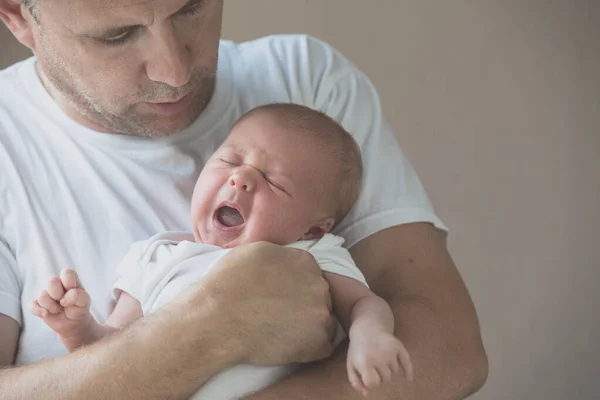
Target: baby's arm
{"points": [[375, 354], [65, 307]]}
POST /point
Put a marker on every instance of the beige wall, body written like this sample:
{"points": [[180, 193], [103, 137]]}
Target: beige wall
{"points": [[497, 104]]}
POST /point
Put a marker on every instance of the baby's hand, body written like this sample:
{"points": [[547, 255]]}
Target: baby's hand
{"points": [[374, 357], [64, 305]]}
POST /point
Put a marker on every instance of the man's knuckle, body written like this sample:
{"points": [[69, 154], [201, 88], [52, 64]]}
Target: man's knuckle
{"points": [[303, 257]]}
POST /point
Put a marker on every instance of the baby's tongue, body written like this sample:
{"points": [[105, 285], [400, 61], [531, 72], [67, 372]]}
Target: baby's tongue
{"points": [[229, 216]]}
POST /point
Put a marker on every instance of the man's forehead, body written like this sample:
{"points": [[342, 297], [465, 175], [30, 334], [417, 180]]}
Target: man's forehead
{"points": [[98, 5], [80, 14]]}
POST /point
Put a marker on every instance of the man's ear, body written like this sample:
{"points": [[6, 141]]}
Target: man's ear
{"points": [[319, 229], [19, 21]]}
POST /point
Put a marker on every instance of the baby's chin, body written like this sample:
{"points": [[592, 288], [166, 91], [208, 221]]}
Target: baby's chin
{"points": [[217, 239], [229, 245]]}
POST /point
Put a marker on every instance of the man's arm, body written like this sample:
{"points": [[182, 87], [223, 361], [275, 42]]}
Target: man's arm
{"points": [[410, 267], [211, 326], [147, 360], [9, 337]]}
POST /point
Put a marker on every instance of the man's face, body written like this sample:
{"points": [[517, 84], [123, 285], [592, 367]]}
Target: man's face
{"points": [[136, 67]]}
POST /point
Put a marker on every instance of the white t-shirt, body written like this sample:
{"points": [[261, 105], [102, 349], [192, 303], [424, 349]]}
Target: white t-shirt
{"points": [[72, 197], [157, 270]]}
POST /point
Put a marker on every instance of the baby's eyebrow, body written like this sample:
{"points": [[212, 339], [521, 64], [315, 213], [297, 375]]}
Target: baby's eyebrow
{"points": [[231, 147]]}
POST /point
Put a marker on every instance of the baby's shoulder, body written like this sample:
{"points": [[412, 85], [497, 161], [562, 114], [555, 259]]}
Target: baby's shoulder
{"points": [[145, 249], [327, 242]]}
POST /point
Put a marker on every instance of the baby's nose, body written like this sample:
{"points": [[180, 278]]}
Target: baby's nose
{"points": [[242, 181]]}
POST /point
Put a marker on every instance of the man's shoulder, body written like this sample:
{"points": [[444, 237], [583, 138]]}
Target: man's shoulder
{"points": [[11, 81], [13, 101], [279, 45], [283, 68], [15, 97], [8, 74], [292, 53], [16, 103]]}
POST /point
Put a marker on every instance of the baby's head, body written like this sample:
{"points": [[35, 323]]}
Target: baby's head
{"points": [[284, 173]]}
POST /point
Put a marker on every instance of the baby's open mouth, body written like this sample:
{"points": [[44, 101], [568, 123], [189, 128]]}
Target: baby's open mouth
{"points": [[229, 217]]}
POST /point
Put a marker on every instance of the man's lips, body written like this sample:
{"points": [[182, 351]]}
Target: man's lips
{"points": [[169, 109]]}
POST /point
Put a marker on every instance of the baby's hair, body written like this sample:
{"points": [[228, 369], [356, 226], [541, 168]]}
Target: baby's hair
{"points": [[342, 146]]}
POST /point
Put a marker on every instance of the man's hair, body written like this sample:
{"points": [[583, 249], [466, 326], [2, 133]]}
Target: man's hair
{"points": [[30, 6], [341, 146]]}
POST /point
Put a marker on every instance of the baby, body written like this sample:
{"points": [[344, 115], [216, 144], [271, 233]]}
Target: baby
{"points": [[286, 174]]}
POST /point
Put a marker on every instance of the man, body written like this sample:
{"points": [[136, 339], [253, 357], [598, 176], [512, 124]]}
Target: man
{"points": [[102, 135]]}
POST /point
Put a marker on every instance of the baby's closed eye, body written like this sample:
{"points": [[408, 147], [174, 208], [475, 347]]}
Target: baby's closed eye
{"points": [[229, 162]]}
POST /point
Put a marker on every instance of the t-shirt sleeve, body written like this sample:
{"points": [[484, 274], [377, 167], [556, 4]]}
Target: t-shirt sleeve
{"points": [[130, 272], [332, 257], [392, 193], [10, 287]]}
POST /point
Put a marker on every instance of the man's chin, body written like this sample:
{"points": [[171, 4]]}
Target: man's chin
{"points": [[154, 126], [169, 128]]}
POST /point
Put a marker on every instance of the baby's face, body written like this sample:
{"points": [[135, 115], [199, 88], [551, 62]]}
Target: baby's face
{"points": [[263, 184]]}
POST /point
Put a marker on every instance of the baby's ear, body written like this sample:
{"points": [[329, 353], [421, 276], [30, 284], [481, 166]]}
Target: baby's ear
{"points": [[319, 229]]}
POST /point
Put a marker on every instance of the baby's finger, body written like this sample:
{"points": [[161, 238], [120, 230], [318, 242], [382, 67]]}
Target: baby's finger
{"points": [[385, 372], [370, 377], [404, 359], [55, 288], [353, 376], [76, 298], [47, 302], [70, 279], [355, 380], [37, 310], [395, 366]]}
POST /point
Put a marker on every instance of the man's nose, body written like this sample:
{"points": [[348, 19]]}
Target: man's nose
{"points": [[169, 60], [244, 179]]}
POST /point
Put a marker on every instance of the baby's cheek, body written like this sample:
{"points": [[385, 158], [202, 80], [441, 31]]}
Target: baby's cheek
{"points": [[199, 209], [264, 230]]}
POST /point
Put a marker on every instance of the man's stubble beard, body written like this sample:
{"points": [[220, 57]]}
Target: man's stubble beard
{"points": [[129, 121]]}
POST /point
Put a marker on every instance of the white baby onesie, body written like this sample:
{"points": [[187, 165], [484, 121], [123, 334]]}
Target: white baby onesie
{"points": [[157, 270]]}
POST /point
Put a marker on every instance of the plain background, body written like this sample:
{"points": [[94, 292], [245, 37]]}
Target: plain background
{"points": [[497, 104]]}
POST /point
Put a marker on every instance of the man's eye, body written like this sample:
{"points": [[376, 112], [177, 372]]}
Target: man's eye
{"points": [[118, 39]]}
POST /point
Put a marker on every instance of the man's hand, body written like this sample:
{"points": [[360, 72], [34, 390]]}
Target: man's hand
{"points": [[275, 301]]}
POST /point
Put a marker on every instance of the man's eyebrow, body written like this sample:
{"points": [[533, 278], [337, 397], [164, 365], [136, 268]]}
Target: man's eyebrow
{"points": [[192, 4], [114, 31]]}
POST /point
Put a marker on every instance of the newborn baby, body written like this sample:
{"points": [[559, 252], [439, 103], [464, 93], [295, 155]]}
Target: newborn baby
{"points": [[286, 174]]}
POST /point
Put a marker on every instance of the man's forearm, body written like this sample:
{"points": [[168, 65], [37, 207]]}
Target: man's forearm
{"points": [[444, 365], [408, 266], [155, 358]]}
